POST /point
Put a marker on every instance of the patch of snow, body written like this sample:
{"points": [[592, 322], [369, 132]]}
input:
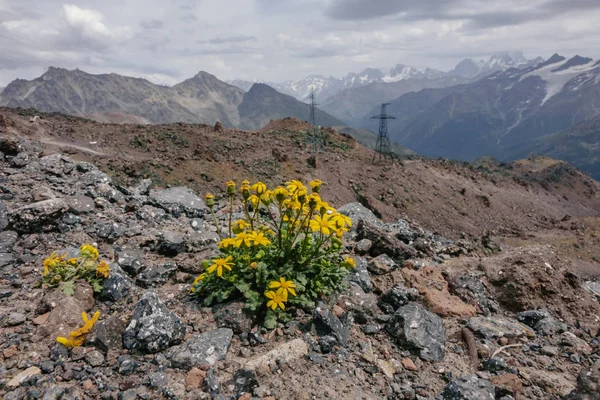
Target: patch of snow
{"points": [[556, 81]]}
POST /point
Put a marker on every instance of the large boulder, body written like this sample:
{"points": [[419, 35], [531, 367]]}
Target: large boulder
{"points": [[357, 212], [153, 327], [37, 216], [420, 330], [384, 242], [327, 324], [179, 200], [201, 350]]}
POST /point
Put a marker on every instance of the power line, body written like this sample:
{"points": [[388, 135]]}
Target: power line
{"points": [[383, 148]]}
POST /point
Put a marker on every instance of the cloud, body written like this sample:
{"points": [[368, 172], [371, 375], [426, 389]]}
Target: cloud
{"points": [[230, 39], [152, 24]]}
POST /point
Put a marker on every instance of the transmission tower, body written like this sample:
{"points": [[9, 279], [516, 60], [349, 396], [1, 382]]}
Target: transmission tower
{"points": [[315, 138], [383, 148]]}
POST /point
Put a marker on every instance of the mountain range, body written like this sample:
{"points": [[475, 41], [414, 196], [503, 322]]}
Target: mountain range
{"points": [[200, 99], [508, 109]]}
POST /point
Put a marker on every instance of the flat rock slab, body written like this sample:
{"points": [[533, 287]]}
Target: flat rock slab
{"points": [[200, 350], [23, 375], [499, 326], [179, 200], [37, 216], [287, 352]]}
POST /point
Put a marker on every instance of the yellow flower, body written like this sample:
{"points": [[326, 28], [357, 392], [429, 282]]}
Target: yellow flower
{"points": [[230, 188], [277, 299], [77, 337], [341, 220], [52, 261], [349, 262], [239, 226], [280, 193], [254, 265], [223, 244], [294, 186], [245, 182], [254, 200], [259, 188], [284, 286], [245, 189], [73, 261], [242, 238], [322, 224], [259, 239], [103, 269], [314, 201], [89, 251], [210, 200], [219, 264], [339, 233], [316, 185], [198, 279], [266, 197]]}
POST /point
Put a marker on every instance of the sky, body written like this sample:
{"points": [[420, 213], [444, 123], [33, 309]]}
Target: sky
{"points": [[168, 41]]}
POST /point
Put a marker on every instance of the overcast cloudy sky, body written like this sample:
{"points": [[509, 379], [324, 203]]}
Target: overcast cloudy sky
{"points": [[167, 41]]}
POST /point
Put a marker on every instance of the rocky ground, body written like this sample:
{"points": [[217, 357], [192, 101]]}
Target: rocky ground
{"points": [[424, 316]]}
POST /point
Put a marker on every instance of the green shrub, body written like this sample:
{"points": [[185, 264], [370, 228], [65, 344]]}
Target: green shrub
{"points": [[289, 258]]}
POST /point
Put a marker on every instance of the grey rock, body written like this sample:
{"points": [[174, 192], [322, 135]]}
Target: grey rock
{"points": [[153, 327], [212, 384], [142, 188], [384, 242], [232, 315], [115, 287], [37, 216], [127, 365], [53, 393], [399, 295], [94, 176], [3, 216], [129, 394], [362, 305], [200, 225], [158, 379], [200, 350], [6, 259], [326, 323], [363, 246], [542, 321], [420, 330], [471, 388], [179, 200], [357, 212], [21, 160], [15, 318], [171, 243], [130, 260], [499, 326], [7, 241], [361, 275], [472, 291], [245, 381], [80, 204], [201, 240], [382, 265], [153, 277], [588, 383], [56, 164], [94, 358], [551, 351], [109, 231]]}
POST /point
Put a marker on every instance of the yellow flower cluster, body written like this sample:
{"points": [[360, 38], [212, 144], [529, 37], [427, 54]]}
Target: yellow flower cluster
{"points": [[280, 297], [77, 337]]}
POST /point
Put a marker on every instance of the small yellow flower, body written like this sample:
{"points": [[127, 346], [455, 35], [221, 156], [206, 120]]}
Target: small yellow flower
{"points": [[239, 226], [210, 200], [230, 188], [198, 279], [349, 262], [254, 200], [254, 265], [242, 238], [341, 220], [316, 185], [284, 286], [322, 224], [52, 261], [259, 239], [225, 243], [266, 197], [89, 251], [245, 189], [259, 188], [280, 194], [73, 261], [103, 269], [276, 299], [245, 182], [219, 264], [77, 337], [294, 186]]}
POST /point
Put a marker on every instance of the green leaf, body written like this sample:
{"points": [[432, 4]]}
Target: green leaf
{"points": [[68, 288], [270, 321], [96, 285]]}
